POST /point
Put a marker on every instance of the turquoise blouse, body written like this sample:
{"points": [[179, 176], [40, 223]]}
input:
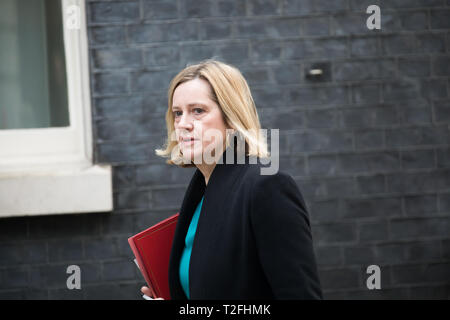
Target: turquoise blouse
{"points": [[186, 255]]}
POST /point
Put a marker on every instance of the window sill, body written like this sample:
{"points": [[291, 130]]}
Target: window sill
{"points": [[59, 191]]}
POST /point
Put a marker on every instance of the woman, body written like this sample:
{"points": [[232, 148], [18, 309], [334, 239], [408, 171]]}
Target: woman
{"points": [[240, 234]]}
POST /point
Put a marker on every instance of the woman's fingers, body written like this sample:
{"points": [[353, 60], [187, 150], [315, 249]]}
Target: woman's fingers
{"points": [[148, 294]]}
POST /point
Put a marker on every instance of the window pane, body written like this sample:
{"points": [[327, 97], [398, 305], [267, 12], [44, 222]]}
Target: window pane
{"points": [[33, 87]]}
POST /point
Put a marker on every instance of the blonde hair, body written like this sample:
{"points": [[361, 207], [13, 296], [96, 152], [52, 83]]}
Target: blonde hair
{"points": [[231, 93]]}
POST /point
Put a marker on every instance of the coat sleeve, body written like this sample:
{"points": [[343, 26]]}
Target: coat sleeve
{"points": [[281, 229]]}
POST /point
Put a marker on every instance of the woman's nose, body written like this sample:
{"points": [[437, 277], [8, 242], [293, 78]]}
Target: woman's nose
{"points": [[185, 122]]}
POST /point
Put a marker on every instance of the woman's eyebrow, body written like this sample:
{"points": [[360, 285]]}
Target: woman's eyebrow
{"points": [[193, 104]]}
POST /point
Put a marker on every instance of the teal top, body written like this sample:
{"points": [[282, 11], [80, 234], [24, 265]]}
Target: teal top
{"points": [[186, 255]]}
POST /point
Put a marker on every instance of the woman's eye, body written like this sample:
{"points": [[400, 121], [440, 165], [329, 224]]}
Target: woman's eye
{"points": [[198, 110], [177, 113]]}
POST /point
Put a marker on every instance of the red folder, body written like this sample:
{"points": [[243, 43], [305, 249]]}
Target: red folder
{"points": [[152, 248]]}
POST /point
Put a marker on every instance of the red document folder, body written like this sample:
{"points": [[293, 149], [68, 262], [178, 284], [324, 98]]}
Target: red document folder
{"points": [[152, 248]]}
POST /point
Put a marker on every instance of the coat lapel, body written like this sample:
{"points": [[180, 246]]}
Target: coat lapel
{"points": [[219, 185]]}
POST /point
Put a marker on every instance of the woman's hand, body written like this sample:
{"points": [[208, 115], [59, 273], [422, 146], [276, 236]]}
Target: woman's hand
{"points": [[148, 294]]}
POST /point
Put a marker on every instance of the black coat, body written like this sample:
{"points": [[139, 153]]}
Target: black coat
{"points": [[253, 238]]}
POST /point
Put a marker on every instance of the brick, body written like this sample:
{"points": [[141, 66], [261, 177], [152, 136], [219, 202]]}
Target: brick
{"points": [[439, 292], [23, 253], [316, 49], [373, 231], [316, 26], [133, 200], [443, 157], [334, 233], [398, 44], [159, 10], [361, 255], [371, 184], [266, 50], [420, 115], [441, 66], [366, 93], [114, 11], [367, 138], [407, 90], [444, 203], [308, 96], [167, 198], [16, 277], [377, 207], [264, 7], [293, 7], [339, 187], [284, 120], [418, 159], [107, 58], [367, 46], [295, 166], [118, 270], [392, 253], [324, 211], [67, 251], [287, 74], [416, 136], [230, 8], [421, 205], [350, 24], [328, 256], [321, 119], [157, 174], [414, 20], [213, 30], [125, 152], [432, 272], [364, 70], [163, 31], [419, 228], [196, 9], [257, 76], [152, 81], [440, 18], [339, 278], [432, 89], [330, 7], [111, 35], [316, 141], [369, 162], [164, 55], [442, 111], [430, 43], [113, 291], [423, 251], [322, 165], [101, 248], [116, 107], [414, 67], [117, 224], [111, 83]]}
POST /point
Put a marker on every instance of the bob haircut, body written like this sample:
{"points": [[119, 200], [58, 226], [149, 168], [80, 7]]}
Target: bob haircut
{"points": [[230, 91]]}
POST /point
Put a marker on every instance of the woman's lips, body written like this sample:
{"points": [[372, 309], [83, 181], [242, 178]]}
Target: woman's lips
{"points": [[188, 142]]}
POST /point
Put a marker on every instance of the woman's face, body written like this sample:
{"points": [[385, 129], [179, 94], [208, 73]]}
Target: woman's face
{"points": [[198, 121]]}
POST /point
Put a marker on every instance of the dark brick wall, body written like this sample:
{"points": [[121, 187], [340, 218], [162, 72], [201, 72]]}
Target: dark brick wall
{"points": [[368, 144]]}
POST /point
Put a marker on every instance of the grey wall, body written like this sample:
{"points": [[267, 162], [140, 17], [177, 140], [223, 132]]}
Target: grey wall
{"points": [[368, 145]]}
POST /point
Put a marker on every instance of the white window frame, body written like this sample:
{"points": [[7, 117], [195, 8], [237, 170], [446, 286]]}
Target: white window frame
{"points": [[51, 170]]}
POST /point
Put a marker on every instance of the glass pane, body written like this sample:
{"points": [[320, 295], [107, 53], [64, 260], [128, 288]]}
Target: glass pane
{"points": [[33, 87]]}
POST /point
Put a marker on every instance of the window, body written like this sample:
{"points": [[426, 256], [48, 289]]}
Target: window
{"points": [[45, 117]]}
